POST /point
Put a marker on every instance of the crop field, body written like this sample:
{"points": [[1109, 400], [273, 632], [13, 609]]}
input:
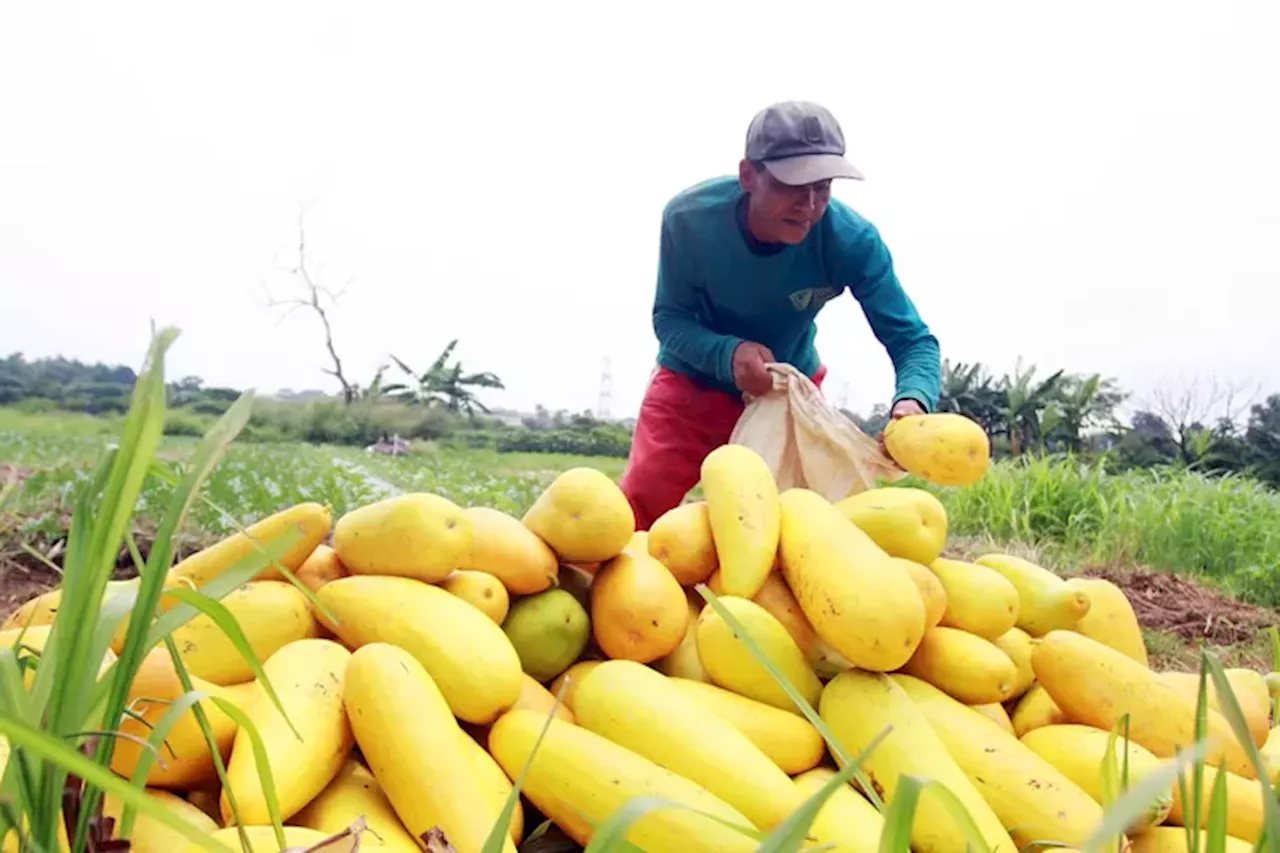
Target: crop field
{"points": [[1200, 555], [1194, 557]]}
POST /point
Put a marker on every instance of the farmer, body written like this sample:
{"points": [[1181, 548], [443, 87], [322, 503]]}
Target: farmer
{"points": [[745, 264]]}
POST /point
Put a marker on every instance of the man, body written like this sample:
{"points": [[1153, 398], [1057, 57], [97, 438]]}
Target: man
{"points": [[745, 264]]}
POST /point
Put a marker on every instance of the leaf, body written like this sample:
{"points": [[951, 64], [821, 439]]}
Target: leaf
{"points": [[164, 474], [899, 818], [792, 833], [1230, 708], [72, 761], [227, 624], [66, 685], [236, 575], [1216, 830], [538, 831], [1111, 787], [1137, 800], [160, 731], [497, 837], [611, 835], [263, 765], [837, 749]]}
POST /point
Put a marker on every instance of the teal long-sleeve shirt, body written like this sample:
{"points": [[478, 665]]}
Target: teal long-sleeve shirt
{"points": [[718, 287]]}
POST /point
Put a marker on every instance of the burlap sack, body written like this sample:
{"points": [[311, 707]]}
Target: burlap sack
{"points": [[808, 443]]}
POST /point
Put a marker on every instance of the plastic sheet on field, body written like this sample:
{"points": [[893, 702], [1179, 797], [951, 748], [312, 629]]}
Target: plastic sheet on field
{"points": [[808, 443]]}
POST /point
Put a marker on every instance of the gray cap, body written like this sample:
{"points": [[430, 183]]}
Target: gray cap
{"points": [[799, 143]]}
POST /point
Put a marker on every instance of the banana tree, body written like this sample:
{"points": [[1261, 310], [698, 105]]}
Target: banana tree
{"points": [[969, 389], [443, 384], [1083, 402], [1024, 401]]}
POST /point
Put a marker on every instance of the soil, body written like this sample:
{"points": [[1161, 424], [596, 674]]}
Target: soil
{"points": [[23, 575], [18, 583], [13, 474], [1190, 610]]}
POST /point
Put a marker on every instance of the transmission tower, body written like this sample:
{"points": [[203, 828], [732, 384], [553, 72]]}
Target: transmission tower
{"points": [[844, 395], [605, 403]]}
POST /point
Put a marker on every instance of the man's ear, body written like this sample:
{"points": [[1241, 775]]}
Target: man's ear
{"points": [[748, 179]]}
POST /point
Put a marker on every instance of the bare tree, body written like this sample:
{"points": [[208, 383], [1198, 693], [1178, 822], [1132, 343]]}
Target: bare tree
{"points": [[1198, 409], [311, 298]]}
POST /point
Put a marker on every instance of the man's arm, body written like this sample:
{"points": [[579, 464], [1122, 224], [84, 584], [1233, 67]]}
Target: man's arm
{"points": [[675, 319], [911, 346]]}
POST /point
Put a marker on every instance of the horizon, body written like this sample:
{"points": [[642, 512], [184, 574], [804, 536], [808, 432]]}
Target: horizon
{"points": [[1030, 199]]}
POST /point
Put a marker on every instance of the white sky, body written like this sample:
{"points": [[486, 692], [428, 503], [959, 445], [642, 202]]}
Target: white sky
{"points": [[496, 173]]}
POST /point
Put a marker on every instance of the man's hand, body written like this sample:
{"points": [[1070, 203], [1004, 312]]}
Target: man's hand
{"points": [[749, 372], [900, 409]]}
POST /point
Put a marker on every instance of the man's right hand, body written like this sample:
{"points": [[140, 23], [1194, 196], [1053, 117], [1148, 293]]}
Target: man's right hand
{"points": [[749, 372]]}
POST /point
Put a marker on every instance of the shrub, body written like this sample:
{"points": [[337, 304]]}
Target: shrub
{"points": [[329, 421], [186, 422]]}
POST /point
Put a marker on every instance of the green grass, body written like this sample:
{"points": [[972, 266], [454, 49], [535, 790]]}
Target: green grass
{"points": [[68, 696], [1222, 529], [1225, 530], [58, 728]]}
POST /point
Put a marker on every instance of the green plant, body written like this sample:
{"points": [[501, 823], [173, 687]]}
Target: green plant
{"points": [[1222, 528], [60, 730]]}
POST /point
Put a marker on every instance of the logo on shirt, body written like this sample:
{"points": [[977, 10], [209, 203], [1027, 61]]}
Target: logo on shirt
{"points": [[813, 297]]}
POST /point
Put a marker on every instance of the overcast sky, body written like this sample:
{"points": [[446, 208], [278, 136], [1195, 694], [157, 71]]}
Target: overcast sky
{"points": [[1095, 187]]}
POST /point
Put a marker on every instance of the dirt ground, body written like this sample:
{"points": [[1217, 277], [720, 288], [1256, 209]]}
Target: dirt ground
{"points": [[1180, 606], [24, 575], [1181, 616]]}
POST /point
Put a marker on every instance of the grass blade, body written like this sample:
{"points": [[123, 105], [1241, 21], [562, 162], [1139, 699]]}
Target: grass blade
{"points": [[157, 740], [36, 743], [236, 575], [165, 474], [610, 836], [538, 831], [1111, 787], [150, 587], [99, 523], [265, 778], [124, 474], [792, 833], [497, 837], [260, 759], [1230, 708], [837, 750], [13, 693], [227, 624], [1137, 800], [899, 818], [1216, 831]]}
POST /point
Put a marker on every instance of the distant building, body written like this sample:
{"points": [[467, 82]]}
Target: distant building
{"points": [[288, 395], [393, 446], [510, 417]]}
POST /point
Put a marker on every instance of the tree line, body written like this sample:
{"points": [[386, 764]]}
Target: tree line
{"points": [[439, 403], [1207, 425], [1204, 425]]}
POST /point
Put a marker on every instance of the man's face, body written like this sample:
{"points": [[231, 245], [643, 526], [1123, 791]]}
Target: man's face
{"points": [[779, 213]]}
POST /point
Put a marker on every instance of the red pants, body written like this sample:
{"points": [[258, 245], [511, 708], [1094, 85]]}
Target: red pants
{"points": [[680, 423]]}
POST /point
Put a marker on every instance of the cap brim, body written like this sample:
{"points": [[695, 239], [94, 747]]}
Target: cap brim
{"points": [[811, 168]]}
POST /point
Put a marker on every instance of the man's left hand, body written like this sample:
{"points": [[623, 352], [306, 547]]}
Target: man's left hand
{"points": [[900, 409]]}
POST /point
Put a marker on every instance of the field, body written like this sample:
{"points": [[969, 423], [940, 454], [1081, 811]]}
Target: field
{"points": [[1199, 556]]}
